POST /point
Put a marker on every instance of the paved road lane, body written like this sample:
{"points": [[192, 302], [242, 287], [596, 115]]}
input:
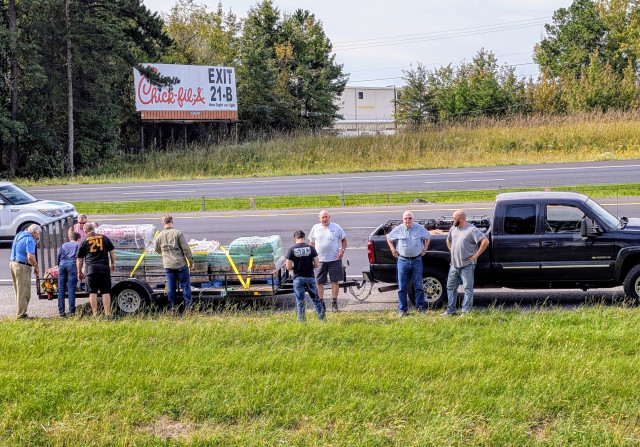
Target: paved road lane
{"points": [[604, 172]]}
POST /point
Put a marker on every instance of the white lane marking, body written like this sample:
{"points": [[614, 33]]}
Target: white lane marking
{"points": [[154, 192], [466, 181], [476, 171]]}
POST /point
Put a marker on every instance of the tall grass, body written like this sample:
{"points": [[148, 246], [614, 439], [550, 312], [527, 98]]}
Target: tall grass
{"points": [[520, 140], [242, 379]]}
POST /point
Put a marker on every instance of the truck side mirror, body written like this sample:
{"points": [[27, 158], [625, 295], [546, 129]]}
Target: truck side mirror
{"points": [[589, 228]]}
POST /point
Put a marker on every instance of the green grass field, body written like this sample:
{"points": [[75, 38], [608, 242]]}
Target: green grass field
{"points": [[546, 377]]}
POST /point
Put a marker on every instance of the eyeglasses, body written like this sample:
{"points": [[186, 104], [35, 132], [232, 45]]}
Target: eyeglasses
{"points": [[407, 218]]}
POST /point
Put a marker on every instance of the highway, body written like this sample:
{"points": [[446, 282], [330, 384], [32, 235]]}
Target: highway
{"points": [[552, 175]]}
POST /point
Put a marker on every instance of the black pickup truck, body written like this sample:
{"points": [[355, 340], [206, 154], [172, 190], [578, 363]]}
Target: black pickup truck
{"points": [[538, 240]]}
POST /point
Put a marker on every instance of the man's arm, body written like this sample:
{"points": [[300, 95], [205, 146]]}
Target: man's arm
{"points": [[112, 254], [79, 262], [158, 245], [426, 246], [344, 247], [392, 247], [316, 262], [186, 250], [289, 264], [32, 260], [484, 243]]}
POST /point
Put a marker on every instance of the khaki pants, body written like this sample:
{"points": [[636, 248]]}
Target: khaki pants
{"points": [[21, 275]]}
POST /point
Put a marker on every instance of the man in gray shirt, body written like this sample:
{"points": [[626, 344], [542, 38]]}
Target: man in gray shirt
{"points": [[466, 243], [409, 242]]}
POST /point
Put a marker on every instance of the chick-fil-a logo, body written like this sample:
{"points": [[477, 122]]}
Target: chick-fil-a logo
{"points": [[149, 94]]}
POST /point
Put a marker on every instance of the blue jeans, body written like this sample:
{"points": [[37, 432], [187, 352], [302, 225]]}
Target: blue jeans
{"points": [[67, 281], [173, 277], [300, 284], [410, 270], [457, 276]]}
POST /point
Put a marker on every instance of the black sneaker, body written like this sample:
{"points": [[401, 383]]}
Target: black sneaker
{"points": [[334, 304]]}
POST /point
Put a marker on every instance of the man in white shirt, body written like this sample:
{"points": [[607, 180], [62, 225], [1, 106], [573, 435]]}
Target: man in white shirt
{"points": [[330, 241]]}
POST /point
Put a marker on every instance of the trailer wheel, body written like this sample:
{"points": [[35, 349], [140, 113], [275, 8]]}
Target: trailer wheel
{"points": [[434, 284], [632, 283], [131, 299]]}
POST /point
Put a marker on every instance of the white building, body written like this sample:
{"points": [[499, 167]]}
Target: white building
{"points": [[366, 110]]}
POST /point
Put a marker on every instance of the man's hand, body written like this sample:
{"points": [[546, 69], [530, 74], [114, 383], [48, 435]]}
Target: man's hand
{"points": [[394, 253], [340, 253]]}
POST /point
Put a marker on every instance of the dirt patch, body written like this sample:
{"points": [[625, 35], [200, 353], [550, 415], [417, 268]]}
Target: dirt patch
{"points": [[165, 428]]}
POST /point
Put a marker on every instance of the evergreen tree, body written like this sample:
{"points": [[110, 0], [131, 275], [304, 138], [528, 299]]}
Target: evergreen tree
{"points": [[313, 77]]}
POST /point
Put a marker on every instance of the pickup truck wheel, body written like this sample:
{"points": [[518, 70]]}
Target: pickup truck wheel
{"points": [[632, 283], [131, 299], [434, 284]]}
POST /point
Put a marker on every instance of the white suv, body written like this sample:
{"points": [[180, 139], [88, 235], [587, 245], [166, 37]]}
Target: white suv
{"points": [[19, 209]]}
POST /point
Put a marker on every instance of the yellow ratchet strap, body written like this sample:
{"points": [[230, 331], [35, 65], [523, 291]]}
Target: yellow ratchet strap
{"points": [[143, 255], [249, 271], [233, 266]]}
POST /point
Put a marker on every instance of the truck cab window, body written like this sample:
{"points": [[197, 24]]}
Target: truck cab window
{"points": [[562, 219], [520, 219]]}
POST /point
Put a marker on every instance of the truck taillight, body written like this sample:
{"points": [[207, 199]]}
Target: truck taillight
{"points": [[370, 254]]}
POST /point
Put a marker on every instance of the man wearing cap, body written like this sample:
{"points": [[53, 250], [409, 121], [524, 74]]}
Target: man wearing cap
{"points": [[23, 257], [409, 243]]}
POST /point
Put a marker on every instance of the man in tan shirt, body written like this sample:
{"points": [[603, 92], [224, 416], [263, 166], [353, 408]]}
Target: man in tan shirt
{"points": [[177, 259]]}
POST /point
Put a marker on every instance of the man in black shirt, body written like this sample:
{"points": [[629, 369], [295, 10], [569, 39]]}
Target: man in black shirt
{"points": [[95, 252], [302, 258]]}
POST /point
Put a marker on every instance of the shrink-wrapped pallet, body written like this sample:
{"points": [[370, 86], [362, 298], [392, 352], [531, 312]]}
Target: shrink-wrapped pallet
{"points": [[256, 244], [203, 247], [134, 238]]}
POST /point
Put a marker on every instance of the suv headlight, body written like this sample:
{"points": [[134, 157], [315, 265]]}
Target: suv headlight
{"points": [[51, 213]]}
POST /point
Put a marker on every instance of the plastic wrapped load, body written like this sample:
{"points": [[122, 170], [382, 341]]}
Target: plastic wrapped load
{"points": [[127, 260], [203, 247], [135, 238], [262, 262], [256, 244]]}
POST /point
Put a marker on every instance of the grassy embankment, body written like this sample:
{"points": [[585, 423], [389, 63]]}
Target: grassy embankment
{"points": [[487, 143], [546, 377]]}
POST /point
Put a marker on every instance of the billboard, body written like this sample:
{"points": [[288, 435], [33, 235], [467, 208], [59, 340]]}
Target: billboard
{"points": [[202, 93]]}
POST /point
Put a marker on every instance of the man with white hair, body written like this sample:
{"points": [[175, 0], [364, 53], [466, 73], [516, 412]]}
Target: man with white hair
{"points": [[330, 241], [409, 242], [23, 257]]}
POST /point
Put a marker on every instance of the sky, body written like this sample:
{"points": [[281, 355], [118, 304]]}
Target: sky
{"points": [[375, 40]]}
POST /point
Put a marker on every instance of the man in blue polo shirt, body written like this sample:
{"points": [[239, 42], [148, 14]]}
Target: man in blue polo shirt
{"points": [[23, 257], [409, 243]]}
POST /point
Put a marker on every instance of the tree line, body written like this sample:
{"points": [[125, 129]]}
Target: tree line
{"points": [[589, 61], [66, 80]]}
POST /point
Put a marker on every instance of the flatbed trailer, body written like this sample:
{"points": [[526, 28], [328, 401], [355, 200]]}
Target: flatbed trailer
{"points": [[132, 292]]}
